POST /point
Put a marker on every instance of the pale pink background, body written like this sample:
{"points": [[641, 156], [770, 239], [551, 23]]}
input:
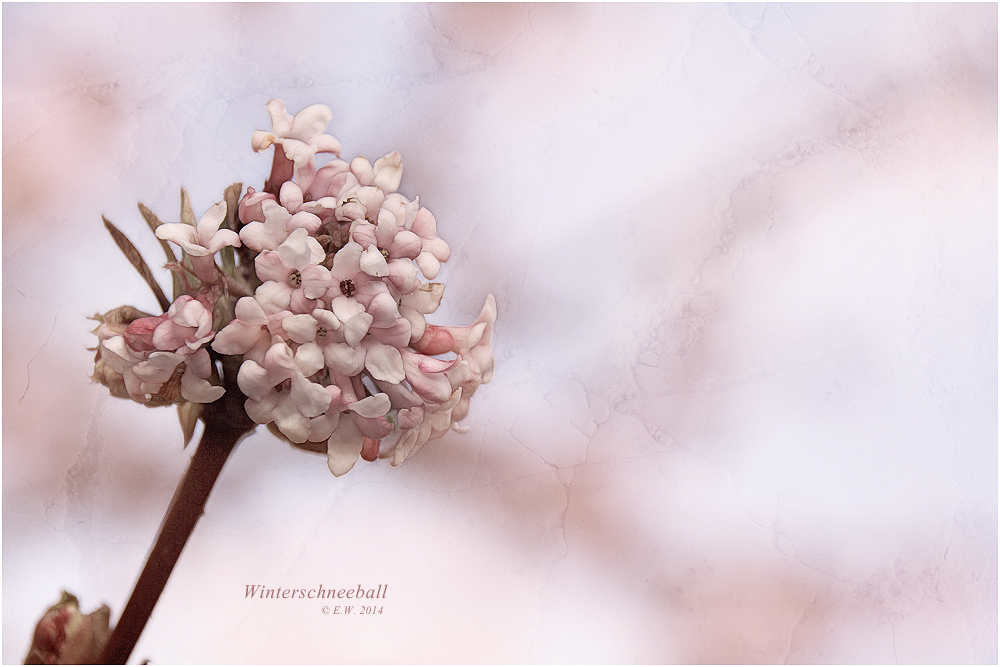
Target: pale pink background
{"points": [[745, 259]]}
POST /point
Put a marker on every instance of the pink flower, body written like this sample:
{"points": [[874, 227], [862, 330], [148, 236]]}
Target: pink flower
{"points": [[202, 241], [385, 175], [364, 421], [280, 391], [386, 245], [301, 136], [251, 331], [433, 250], [293, 278], [270, 225], [161, 359], [472, 344]]}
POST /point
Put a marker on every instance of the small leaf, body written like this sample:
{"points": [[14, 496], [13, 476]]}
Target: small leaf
{"points": [[153, 223], [133, 256], [187, 213], [188, 414], [232, 199]]}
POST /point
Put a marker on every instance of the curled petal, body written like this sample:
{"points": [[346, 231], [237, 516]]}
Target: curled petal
{"points": [[371, 406], [198, 390], [373, 263], [388, 172], [428, 265], [310, 399], [209, 223], [310, 122], [281, 120], [261, 140], [179, 233]]}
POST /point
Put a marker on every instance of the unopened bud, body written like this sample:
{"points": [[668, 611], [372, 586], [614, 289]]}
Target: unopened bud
{"points": [[64, 636]]}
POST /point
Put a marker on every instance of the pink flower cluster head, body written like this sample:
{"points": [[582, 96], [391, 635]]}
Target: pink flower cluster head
{"points": [[337, 354], [159, 360], [325, 312]]}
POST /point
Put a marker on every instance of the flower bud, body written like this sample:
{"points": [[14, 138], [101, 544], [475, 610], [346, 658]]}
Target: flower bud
{"points": [[64, 636]]}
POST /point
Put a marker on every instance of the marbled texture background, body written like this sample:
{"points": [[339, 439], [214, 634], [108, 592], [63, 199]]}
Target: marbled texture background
{"points": [[745, 257]]}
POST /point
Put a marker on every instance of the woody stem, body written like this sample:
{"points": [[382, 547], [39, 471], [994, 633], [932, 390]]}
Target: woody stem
{"points": [[226, 424]]}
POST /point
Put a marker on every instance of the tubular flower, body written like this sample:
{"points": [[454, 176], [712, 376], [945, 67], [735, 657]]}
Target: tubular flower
{"points": [[202, 241]]}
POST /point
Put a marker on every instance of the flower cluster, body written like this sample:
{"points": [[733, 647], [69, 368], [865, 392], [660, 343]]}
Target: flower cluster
{"points": [[156, 360], [326, 309]]}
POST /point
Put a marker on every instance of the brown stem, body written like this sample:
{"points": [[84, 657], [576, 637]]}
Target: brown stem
{"points": [[226, 424]]}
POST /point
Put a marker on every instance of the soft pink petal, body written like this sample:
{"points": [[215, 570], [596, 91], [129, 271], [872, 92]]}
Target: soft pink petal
{"points": [[310, 399], [373, 263], [197, 390], [371, 406], [384, 362], [344, 447]]}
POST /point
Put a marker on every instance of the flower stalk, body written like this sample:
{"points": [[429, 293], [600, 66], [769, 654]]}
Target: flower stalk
{"points": [[226, 424]]}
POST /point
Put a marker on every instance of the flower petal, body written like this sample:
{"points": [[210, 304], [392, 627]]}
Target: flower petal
{"points": [[309, 358], [384, 362], [371, 406], [197, 390], [300, 328], [310, 399], [209, 223], [344, 447], [373, 263]]}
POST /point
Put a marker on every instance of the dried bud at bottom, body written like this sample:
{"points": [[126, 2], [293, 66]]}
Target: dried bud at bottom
{"points": [[64, 636]]}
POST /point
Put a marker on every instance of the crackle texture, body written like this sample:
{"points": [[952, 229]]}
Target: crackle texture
{"points": [[745, 261]]}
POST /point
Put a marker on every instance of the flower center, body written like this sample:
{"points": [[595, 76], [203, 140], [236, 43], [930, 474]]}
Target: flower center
{"points": [[385, 253], [347, 287], [321, 332], [284, 386], [295, 278]]}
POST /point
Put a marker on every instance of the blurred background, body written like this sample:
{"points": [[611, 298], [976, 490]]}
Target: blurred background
{"points": [[745, 259]]}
